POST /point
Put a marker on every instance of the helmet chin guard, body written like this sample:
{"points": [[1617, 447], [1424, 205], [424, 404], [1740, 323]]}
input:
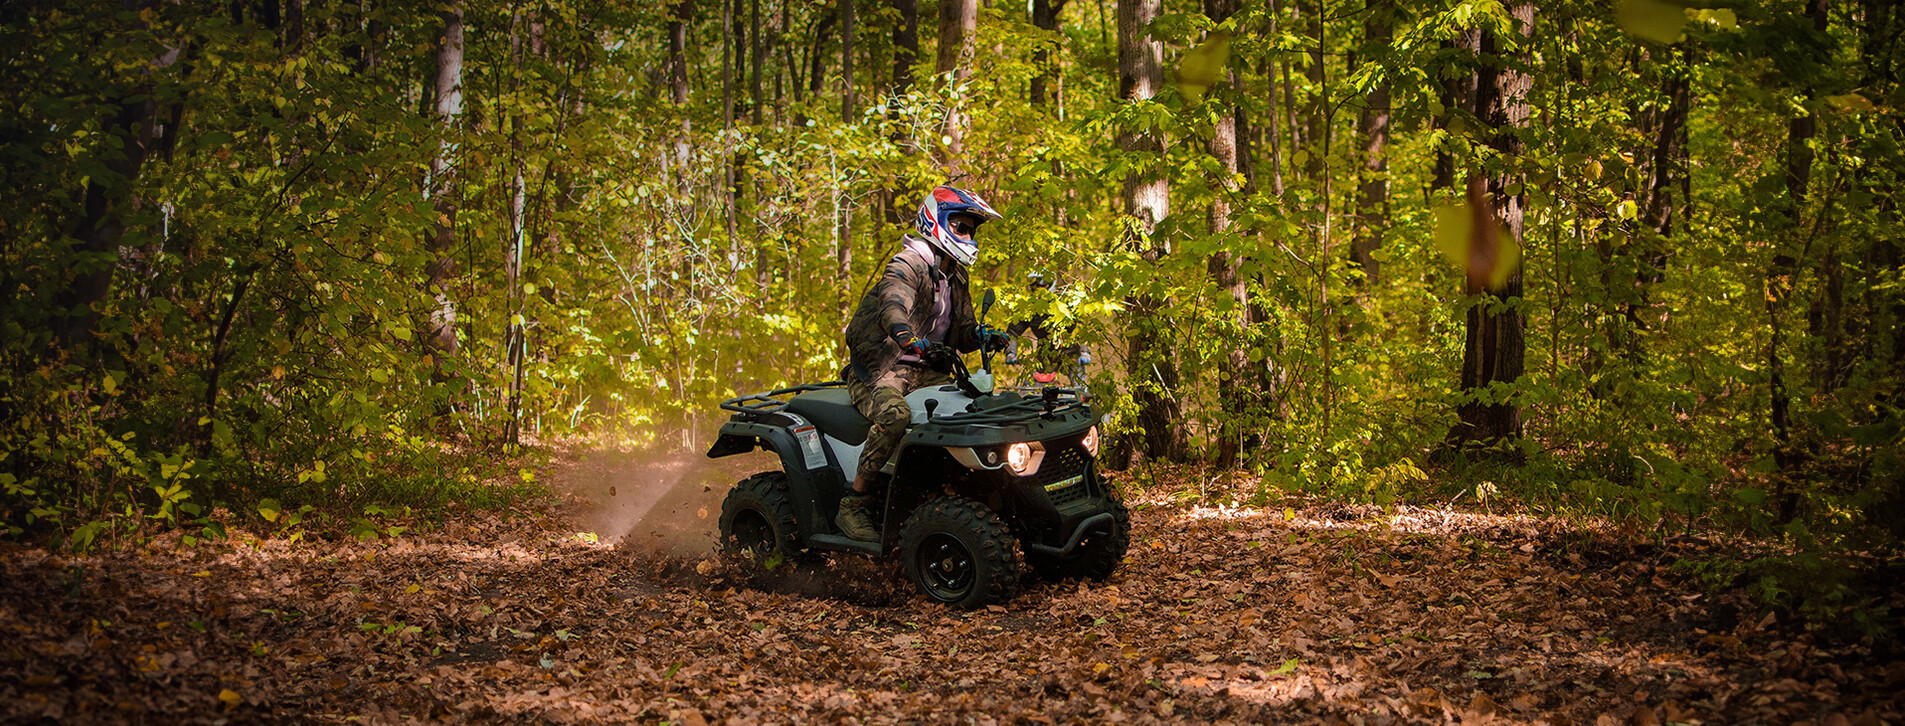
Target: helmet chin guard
{"points": [[935, 225]]}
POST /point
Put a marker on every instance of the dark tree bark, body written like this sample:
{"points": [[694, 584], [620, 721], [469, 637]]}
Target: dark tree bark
{"points": [[1045, 16], [1153, 372], [1457, 96], [1494, 346], [957, 21], [100, 225], [1372, 126], [291, 36], [755, 56], [905, 56], [1780, 280], [817, 62], [905, 45], [440, 338]]}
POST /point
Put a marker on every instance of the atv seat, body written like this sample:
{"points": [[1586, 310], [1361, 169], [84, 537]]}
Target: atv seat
{"points": [[833, 413]]}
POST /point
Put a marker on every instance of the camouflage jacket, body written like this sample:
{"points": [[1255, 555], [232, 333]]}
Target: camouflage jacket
{"points": [[901, 304]]}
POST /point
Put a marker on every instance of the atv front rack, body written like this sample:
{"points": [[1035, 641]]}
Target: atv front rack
{"points": [[773, 401], [1046, 406]]}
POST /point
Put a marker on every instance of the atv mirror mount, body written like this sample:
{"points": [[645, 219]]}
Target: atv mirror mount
{"points": [[985, 356]]}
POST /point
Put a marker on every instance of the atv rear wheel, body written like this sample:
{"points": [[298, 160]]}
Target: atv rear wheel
{"points": [[958, 552], [1096, 556], [757, 517]]}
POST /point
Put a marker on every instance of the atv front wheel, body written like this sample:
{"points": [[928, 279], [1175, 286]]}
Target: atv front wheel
{"points": [[958, 552], [757, 517], [1095, 557]]}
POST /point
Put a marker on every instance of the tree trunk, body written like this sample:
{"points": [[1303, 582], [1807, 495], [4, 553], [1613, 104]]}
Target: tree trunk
{"points": [[1273, 130], [1153, 373], [678, 50], [1045, 16], [1457, 95], [440, 340], [1372, 198], [957, 21], [1222, 266], [100, 224], [1494, 346], [754, 56], [905, 48], [848, 98], [905, 56], [727, 116], [817, 62], [1780, 279], [514, 246]]}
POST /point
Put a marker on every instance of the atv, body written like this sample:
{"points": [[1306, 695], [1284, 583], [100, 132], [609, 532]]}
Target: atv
{"points": [[980, 476]]}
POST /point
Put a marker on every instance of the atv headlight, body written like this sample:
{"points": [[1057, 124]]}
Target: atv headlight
{"points": [[1019, 459], [1090, 442]]}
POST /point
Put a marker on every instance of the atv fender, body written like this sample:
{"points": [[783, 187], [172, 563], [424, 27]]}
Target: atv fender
{"points": [[815, 493]]}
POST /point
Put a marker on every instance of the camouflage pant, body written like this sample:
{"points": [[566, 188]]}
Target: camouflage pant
{"points": [[884, 403]]}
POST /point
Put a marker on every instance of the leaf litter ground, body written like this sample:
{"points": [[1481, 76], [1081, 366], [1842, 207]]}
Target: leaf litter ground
{"points": [[1304, 614]]}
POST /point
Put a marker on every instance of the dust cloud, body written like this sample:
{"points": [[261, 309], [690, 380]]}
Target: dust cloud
{"points": [[667, 501]]}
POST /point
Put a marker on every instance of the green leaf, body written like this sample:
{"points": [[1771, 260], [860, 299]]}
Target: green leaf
{"points": [[1627, 209], [269, 509], [1288, 667]]}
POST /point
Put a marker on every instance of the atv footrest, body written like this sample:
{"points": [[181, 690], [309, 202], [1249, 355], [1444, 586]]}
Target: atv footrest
{"points": [[844, 544]]}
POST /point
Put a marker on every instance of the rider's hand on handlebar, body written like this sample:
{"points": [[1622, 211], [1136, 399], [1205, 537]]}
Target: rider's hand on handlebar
{"points": [[940, 358], [917, 346], [990, 338]]}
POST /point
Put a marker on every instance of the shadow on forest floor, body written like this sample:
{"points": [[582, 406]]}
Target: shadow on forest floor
{"points": [[1315, 613]]}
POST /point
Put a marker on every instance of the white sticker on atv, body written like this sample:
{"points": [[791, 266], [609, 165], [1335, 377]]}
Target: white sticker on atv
{"points": [[810, 449]]}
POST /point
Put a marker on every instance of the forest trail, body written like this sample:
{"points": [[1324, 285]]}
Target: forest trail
{"points": [[1305, 614]]}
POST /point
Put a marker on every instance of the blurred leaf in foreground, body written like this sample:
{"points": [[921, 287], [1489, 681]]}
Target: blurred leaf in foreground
{"points": [[1203, 65], [1651, 19], [1472, 237]]}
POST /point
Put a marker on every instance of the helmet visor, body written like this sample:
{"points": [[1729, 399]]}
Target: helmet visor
{"points": [[965, 226]]}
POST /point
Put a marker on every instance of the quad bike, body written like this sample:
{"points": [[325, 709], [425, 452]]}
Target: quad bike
{"points": [[979, 477]]}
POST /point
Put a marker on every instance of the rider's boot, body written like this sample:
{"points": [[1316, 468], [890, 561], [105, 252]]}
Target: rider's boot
{"points": [[856, 517]]}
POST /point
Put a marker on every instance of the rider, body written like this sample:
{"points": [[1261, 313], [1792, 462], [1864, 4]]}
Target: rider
{"points": [[898, 335]]}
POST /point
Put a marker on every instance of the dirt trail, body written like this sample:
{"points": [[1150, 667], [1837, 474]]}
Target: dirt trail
{"points": [[1242, 616]]}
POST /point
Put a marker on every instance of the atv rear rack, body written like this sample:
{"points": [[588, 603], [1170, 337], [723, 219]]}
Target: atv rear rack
{"points": [[773, 401]]}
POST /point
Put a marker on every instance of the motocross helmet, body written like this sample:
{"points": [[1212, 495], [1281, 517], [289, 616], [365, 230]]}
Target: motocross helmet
{"points": [[936, 225]]}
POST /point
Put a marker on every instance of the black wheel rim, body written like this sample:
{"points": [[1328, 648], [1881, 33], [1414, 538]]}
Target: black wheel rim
{"points": [[946, 567], [752, 532]]}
